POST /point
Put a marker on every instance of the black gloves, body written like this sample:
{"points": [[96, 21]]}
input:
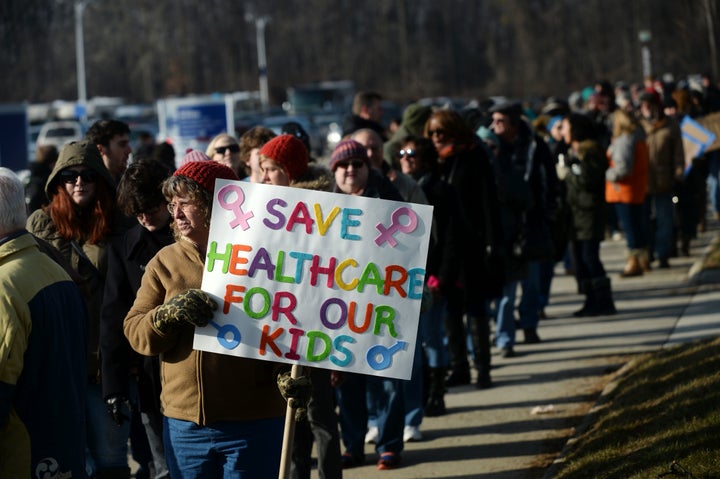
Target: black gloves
{"points": [[115, 409], [193, 306], [296, 392]]}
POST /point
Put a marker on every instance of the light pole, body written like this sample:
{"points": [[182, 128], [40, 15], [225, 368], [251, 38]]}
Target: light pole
{"points": [[645, 36], [260, 23], [81, 108]]}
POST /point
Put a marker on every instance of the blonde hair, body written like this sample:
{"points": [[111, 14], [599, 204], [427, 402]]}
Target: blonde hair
{"points": [[210, 150], [623, 123]]}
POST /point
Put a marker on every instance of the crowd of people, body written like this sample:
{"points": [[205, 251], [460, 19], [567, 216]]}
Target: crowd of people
{"points": [[102, 263]]}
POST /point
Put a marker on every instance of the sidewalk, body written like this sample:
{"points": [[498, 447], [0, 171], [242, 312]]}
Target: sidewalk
{"points": [[494, 434]]}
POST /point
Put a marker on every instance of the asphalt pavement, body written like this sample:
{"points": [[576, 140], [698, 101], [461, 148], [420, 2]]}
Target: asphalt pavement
{"points": [[540, 397]]}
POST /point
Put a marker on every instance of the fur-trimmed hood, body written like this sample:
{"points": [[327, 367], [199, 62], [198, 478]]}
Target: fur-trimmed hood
{"points": [[317, 177]]}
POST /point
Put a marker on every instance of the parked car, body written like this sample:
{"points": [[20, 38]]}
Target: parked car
{"points": [[59, 133]]}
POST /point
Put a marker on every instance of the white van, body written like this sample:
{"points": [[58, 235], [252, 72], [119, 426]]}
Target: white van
{"points": [[59, 133]]}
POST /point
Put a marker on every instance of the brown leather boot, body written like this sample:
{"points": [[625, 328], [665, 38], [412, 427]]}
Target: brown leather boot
{"points": [[632, 267], [644, 261]]}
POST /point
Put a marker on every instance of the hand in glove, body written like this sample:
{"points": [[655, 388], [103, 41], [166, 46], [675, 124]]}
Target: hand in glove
{"points": [[193, 306], [115, 409], [296, 392]]}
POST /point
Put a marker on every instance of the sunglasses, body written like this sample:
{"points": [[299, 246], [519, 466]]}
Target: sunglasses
{"points": [[220, 150], [356, 164], [71, 176], [410, 153], [439, 132]]}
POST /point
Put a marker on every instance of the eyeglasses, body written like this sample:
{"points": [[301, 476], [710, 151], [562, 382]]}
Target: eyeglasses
{"points": [[356, 164], [71, 176], [410, 153], [220, 150], [172, 207], [438, 132]]}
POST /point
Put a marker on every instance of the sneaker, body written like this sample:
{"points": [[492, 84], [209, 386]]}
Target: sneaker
{"points": [[411, 433], [372, 434], [388, 460], [507, 352]]}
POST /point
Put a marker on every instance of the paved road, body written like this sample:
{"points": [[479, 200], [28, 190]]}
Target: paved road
{"points": [[493, 433]]}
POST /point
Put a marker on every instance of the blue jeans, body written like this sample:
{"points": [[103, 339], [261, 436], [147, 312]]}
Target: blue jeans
{"points": [[227, 449], [505, 316], [107, 443], [389, 404], [632, 220], [432, 335], [713, 180], [660, 209], [414, 390], [529, 307], [547, 272]]}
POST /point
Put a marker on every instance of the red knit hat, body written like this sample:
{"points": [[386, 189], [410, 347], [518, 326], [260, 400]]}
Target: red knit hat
{"points": [[204, 173], [348, 150], [289, 152]]}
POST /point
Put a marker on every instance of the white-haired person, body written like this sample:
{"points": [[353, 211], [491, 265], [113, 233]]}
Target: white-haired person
{"points": [[42, 352]]}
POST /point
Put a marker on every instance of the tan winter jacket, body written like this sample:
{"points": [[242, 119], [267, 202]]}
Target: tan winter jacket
{"points": [[197, 386]]}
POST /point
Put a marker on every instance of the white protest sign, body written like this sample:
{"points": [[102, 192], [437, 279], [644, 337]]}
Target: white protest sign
{"points": [[313, 278]]}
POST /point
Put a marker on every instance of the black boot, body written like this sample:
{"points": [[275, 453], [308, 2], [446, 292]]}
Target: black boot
{"points": [[457, 340], [480, 337], [604, 304], [459, 376], [435, 405], [586, 288]]}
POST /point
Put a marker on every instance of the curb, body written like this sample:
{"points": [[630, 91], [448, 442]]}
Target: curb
{"points": [[589, 419]]}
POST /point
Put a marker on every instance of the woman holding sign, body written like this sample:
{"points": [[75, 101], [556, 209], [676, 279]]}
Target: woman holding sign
{"points": [[223, 414], [284, 162]]}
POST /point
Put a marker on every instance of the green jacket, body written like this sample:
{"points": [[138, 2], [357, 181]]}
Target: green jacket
{"points": [[586, 191]]}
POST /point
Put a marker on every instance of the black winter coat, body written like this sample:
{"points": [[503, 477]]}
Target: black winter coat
{"points": [[127, 257], [470, 173]]}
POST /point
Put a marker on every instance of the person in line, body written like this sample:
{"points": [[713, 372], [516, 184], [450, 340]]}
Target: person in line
{"points": [[126, 375], [626, 187], [112, 139], [408, 188], [225, 149], [284, 161], [528, 189], [42, 352], [665, 172], [417, 157], [465, 166], [412, 193], [354, 176], [224, 415], [250, 143], [367, 112], [584, 176], [79, 222]]}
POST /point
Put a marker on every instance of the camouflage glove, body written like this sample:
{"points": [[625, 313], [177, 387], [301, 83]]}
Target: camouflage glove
{"points": [[296, 392], [192, 307]]}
